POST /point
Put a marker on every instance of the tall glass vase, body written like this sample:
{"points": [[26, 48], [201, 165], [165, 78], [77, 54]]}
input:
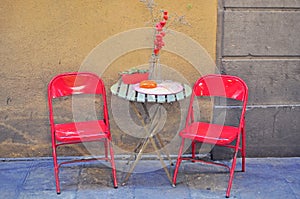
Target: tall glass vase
{"points": [[154, 68]]}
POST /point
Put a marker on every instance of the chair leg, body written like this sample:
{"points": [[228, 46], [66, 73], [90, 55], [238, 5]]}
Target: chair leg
{"points": [[113, 165], [232, 169], [243, 150], [178, 163], [56, 170], [106, 150], [193, 150]]}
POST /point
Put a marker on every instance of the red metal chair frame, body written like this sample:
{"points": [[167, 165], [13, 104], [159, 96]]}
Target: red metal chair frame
{"points": [[200, 132], [79, 83]]}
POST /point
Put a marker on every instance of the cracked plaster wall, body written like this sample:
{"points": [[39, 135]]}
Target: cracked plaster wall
{"points": [[257, 40], [41, 38]]}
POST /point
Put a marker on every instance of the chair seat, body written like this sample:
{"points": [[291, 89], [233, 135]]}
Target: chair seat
{"points": [[210, 133], [81, 131]]}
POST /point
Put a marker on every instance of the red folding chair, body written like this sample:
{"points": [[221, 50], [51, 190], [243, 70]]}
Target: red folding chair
{"points": [[75, 132], [223, 86]]}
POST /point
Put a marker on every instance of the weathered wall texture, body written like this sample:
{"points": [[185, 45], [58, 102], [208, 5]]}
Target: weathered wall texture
{"points": [[259, 41], [42, 38]]}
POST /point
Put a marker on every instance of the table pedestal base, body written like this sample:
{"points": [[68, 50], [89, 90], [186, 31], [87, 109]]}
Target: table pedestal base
{"points": [[152, 138]]}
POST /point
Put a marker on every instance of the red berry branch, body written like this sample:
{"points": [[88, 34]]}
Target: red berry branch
{"points": [[160, 33]]}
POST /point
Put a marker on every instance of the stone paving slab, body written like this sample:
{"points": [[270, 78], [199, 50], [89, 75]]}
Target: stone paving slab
{"points": [[264, 178]]}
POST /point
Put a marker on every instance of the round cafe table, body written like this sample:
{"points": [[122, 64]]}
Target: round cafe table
{"points": [[171, 93], [165, 92]]}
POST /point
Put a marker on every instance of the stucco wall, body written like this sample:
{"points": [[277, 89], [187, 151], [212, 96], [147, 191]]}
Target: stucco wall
{"points": [[257, 40], [41, 38]]}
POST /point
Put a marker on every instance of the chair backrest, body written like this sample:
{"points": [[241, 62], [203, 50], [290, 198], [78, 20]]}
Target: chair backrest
{"points": [[76, 83], [221, 86], [216, 85]]}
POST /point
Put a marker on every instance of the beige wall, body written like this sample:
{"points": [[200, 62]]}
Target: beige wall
{"points": [[41, 38]]}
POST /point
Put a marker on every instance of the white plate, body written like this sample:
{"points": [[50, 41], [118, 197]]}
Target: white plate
{"points": [[163, 88]]}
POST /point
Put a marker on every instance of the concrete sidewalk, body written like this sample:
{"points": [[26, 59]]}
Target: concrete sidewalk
{"points": [[264, 178]]}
